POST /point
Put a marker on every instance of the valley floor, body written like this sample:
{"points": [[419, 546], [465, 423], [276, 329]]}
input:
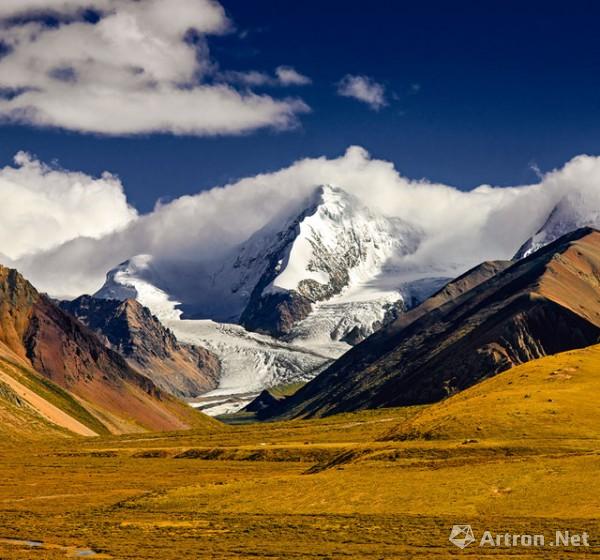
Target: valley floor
{"points": [[331, 488]]}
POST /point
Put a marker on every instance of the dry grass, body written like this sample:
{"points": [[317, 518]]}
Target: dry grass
{"points": [[552, 398], [245, 491]]}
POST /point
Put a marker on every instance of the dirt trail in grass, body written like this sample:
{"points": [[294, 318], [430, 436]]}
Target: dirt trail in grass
{"points": [[46, 409]]}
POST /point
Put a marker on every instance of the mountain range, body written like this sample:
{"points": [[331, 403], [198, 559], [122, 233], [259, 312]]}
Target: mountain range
{"points": [[334, 249], [492, 318], [304, 289], [329, 295]]}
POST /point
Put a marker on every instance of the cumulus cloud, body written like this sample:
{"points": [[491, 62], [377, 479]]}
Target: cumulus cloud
{"points": [[460, 228], [143, 67], [287, 76], [43, 207], [19, 8], [363, 88]]}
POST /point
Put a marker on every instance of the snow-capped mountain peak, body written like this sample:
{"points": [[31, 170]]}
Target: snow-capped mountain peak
{"points": [[334, 244], [138, 279], [338, 232], [318, 279], [572, 212]]}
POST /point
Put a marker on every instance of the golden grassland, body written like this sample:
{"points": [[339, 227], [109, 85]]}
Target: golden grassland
{"points": [[517, 453]]}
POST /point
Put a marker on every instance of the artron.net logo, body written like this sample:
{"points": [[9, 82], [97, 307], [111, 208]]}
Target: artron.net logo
{"points": [[462, 536]]}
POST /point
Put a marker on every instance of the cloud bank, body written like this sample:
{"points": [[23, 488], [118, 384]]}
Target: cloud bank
{"points": [[364, 89], [140, 67], [43, 207], [80, 227]]}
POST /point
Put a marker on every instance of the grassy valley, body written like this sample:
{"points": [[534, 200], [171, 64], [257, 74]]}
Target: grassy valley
{"points": [[519, 452]]}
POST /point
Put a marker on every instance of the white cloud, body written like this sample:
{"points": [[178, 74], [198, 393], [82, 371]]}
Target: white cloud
{"points": [[16, 8], [43, 207], [461, 228], [134, 71], [363, 89], [288, 76], [284, 76]]}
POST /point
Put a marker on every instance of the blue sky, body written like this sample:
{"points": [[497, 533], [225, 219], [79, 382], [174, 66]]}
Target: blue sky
{"points": [[477, 92]]}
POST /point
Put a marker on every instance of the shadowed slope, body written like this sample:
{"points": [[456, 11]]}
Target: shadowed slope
{"points": [[132, 330], [545, 304]]}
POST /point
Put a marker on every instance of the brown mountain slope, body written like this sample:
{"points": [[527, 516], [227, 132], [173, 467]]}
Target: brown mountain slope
{"points": [[130, 328], [71, 356], [545, 304], [455, 288], [19, 419], [32, 407]]}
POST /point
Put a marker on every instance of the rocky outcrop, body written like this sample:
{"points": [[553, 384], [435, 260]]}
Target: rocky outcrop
{"points": [[263, 401], [132, 330], [276, 314]]}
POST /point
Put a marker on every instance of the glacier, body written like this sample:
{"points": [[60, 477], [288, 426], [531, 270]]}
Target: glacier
{"points": [[294, 296]]}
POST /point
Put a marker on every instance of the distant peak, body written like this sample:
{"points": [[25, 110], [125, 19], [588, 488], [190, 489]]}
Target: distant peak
{"points": [[572, 213], [331, 193], [330, 190], [137, 262], [563, 243], [574, 236]]}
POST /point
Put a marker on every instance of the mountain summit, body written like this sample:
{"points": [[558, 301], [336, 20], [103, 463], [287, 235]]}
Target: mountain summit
{"points": [[572, 212], [333, 246]]}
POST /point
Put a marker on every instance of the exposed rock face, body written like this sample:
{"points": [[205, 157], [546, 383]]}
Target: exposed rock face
{"points": [[17, 298], [58, 346], [276, 314], [132, 330], [544, 304]]}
